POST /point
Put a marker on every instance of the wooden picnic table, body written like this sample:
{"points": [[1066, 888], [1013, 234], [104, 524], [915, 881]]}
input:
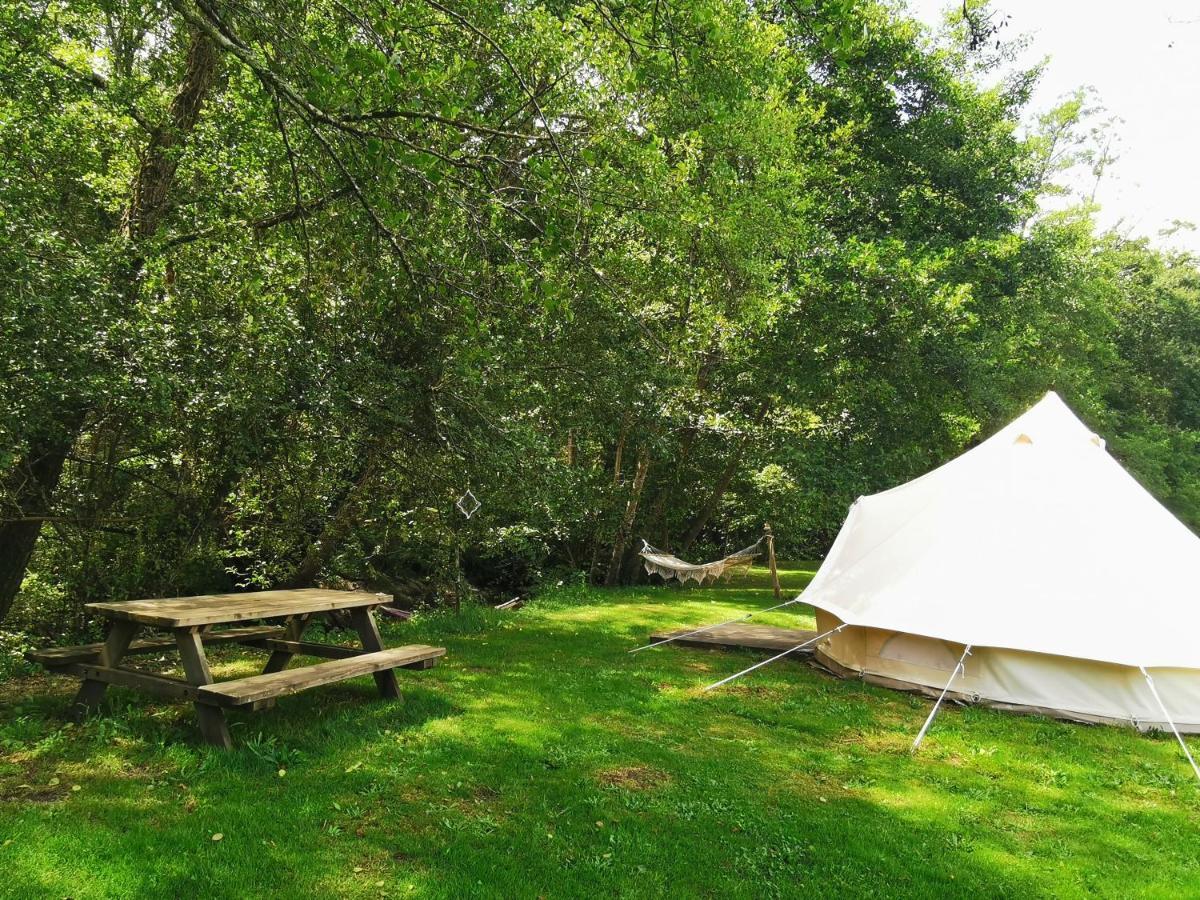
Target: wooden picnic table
{"points": [[190, 623]]}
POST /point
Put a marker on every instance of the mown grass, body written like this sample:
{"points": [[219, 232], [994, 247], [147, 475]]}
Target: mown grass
{"points": [[541, 759]]}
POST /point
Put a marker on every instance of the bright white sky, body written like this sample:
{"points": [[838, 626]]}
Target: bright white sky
{"points": [[1143, 59]]}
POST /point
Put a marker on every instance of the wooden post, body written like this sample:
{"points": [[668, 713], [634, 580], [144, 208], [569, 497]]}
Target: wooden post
{"points": [[294, 630], [91, 691], [771, 557], [195, 665], [458, 580], [368, 633]]}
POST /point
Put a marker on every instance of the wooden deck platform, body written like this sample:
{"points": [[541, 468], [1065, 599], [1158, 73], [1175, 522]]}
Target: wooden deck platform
{"points": [[742, 637]]}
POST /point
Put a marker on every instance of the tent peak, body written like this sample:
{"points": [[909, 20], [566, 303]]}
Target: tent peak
{"points": [[1049, 422]]}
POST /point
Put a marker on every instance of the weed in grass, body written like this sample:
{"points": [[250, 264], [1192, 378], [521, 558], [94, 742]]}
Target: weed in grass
{"points": [[272, 752]]}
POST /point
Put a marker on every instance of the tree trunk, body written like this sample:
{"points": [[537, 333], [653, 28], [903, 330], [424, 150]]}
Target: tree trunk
{"points": [[618, 455], [668, 490], [714, 498], [631, 506], [32, 484], [593, 574], [723, 481], [156, 174], [35, 480], [322, 548]]}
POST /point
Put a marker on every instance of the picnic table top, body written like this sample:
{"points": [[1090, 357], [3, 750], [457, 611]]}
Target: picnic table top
{"points": [[221, 609]]}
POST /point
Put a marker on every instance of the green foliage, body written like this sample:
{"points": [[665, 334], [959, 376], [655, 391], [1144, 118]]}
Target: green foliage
{"points": [[46, 609], [14, 644], [773, 256]]}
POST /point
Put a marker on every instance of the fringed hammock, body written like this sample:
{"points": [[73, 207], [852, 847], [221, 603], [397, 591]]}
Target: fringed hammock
{"points": [[667, 566]]}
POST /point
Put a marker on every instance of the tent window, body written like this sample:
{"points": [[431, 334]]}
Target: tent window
{"points": [[918, 651], [1023, 439]]}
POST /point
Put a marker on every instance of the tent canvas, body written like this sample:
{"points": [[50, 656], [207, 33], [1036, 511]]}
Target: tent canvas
{"points": [[1041, 552]]}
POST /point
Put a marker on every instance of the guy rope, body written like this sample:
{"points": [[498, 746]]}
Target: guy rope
{"points": [[1170, 721], [759, 665], [757, 612], [959, 669]]}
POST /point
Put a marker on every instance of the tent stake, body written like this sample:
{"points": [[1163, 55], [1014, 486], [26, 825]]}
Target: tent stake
{"points": [[677, 637], [759, 665], [959, 669], [1170, 721]]}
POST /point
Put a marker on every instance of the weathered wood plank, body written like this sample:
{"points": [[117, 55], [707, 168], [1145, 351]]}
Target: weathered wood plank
{"points": [[294, 630], [738, 636], [368, 633], [291, 681], [91, 691], [307, 648], [213, 726], [427, 663], [195, 664], [211, 609], [59, 657], [164, 685]]}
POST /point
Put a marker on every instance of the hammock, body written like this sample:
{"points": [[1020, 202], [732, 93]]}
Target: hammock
{"points": [[668, 566]]}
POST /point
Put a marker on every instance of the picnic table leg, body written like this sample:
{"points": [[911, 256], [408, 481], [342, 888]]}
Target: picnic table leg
{"points": [[279, 659], [195, 666], [91, 692], [368, 633]]}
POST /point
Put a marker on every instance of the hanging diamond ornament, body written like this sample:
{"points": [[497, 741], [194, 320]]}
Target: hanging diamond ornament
{"points": [[468, 504]]}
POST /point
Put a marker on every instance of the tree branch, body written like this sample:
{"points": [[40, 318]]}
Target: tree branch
{"points": [[298, 211], [94, 81]]}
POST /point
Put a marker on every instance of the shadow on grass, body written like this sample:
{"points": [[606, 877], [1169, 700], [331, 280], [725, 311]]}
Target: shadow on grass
{"points": [[541, 758]]}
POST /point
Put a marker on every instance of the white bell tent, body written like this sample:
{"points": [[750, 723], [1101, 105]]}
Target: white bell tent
{"points": [[1032, 572]]}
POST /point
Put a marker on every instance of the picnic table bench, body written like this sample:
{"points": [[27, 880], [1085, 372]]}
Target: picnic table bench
{"points": [[190, 621]]}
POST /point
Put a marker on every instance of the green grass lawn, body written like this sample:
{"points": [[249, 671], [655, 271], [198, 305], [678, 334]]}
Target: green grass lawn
{"points": [[541, 759]]}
